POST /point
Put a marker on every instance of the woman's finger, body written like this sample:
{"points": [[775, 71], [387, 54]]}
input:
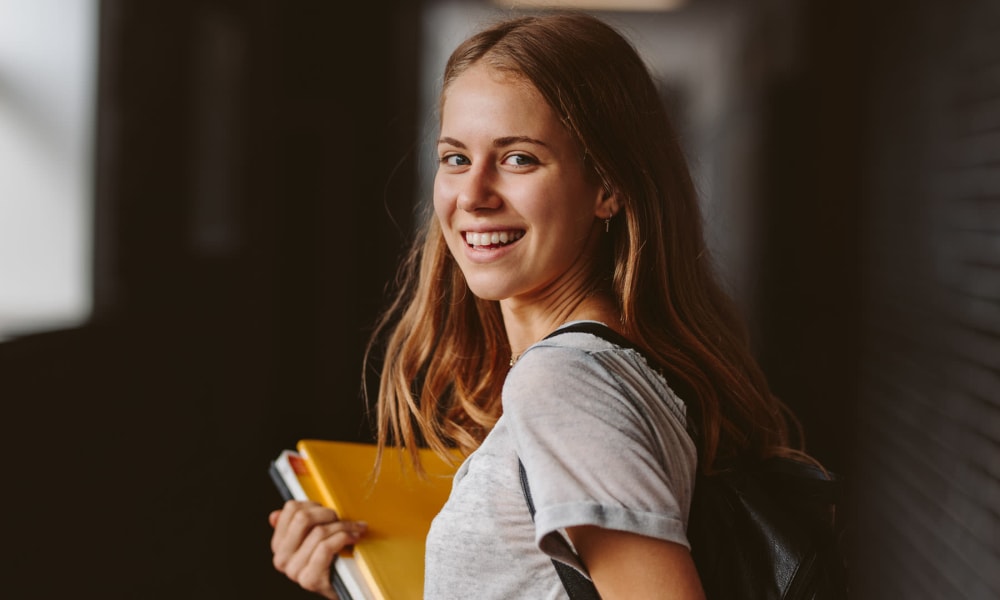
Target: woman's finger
{"points": [[328, 539], [309, 565], [294, 523]]}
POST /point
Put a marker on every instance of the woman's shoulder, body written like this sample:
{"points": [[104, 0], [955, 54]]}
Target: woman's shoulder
{"points": [[569, 355], [586, 336], [587, 345], [583, 386], [587, 367]]}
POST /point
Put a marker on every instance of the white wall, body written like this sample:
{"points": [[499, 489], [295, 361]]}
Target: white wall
{"points": [[47, 74]]}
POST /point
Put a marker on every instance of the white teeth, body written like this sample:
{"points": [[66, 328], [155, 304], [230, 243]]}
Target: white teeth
{"points": [[492, 238]]}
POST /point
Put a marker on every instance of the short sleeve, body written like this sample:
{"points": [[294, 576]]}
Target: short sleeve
{"points": [[603, 442]]}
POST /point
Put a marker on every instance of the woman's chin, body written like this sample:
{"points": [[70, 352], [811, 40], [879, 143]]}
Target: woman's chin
{"points": [[487, 294], [488, 290]]}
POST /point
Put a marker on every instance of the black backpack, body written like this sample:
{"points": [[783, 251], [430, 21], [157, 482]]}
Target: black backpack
{"points": [[761, 531]]}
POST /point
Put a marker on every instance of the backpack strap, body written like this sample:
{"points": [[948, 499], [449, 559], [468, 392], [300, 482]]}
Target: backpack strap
{"points": [[598, 329], [577, 586]]}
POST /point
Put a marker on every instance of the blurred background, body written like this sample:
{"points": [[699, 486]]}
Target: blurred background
{"points": [[202, 204]]}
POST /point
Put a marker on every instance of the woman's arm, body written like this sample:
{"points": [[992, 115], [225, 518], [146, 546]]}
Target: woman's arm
{"points": [[307, 538], [630, 565]]}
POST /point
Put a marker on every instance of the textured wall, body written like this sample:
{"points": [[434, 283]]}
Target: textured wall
{"points": [[928, 476]]}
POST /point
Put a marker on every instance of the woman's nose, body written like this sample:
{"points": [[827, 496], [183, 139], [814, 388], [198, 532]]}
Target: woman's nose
{"points": [[478, 190]]}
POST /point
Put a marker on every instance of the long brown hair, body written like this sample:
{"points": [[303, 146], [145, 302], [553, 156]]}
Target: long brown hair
{"points": [[446, 353]]}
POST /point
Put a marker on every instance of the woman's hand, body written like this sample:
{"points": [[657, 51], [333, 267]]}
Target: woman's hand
{"points": [[307, 538]]}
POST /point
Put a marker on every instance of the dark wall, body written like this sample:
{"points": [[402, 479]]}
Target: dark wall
{"points": [[928, 473], [811, 198], [882, 282], [254, 191]]}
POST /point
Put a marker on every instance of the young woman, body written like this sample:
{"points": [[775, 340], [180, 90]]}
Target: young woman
{"points": [[562, 196]]}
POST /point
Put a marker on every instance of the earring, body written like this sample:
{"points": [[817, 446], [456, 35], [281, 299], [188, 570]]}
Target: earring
{"points": [[607, 223]]}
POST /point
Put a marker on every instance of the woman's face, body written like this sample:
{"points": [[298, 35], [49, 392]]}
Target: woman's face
{"points": [[517, 208]]}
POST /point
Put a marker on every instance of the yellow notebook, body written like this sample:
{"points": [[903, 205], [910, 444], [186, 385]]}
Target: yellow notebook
{"points": [[388, 562]]}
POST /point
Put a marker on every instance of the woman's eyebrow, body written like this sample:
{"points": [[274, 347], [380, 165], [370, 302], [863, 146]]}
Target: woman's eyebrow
{"points": [[516, 139], [497, 143], [451, 142]]}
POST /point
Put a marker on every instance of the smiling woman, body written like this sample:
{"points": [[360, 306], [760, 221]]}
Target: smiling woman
{"points": [[509, 169], [561, 199]]}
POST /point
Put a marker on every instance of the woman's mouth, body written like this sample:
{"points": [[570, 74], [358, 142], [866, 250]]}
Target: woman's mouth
{"points": [[492, 239]]}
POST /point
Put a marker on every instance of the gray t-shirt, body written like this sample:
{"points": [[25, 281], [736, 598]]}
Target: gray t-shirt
{"points": [[603, 441]]}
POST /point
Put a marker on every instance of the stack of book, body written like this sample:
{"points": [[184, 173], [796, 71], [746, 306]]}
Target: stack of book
{"points": [[398, 506]]}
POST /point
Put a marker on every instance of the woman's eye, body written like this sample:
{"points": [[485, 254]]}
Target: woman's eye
{"points": [[454, 160], [520, 160]]}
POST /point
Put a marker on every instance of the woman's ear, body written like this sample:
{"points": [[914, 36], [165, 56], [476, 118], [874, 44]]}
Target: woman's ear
{"points": [[607, 204]]}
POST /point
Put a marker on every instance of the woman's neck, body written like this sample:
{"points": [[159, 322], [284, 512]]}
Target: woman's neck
{"points": [[526, 325]]}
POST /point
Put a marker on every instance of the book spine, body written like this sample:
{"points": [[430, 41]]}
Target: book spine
{"points": [[279, 482]]}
